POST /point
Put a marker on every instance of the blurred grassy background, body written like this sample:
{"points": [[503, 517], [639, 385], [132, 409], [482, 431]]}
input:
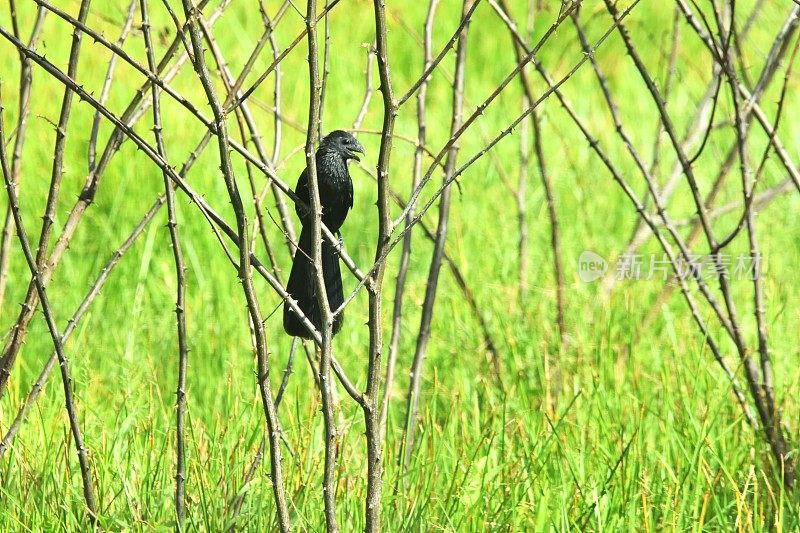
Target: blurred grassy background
{"points": [[644, 433]]}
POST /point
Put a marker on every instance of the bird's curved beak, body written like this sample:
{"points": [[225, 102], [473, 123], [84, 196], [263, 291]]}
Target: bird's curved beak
{"points": [[356, 148]]}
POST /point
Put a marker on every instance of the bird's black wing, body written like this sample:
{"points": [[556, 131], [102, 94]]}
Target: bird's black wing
{"points": [[350, 190], [301, 190], [302, 287]]}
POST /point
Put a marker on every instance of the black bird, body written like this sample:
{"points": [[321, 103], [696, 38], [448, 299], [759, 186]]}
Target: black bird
{"points": [[336, 197]]}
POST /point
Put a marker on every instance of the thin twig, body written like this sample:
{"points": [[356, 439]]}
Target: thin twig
{"points": [[180, 299], [519, 197], [76, 317], [326, 53], [69, 400], [244, 270], [48, 218], [405, 256], [25, 82], [672, 70], [135, 109], [412, 399], [558, 269], [126, 28], [369, 89], [326, 317], [375, 280]]}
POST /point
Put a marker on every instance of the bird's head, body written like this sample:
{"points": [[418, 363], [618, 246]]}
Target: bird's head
{"points": [[343, 144]]}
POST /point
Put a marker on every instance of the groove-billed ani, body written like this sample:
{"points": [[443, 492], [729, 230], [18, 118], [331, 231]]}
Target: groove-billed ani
{"points": [[336, 197]]}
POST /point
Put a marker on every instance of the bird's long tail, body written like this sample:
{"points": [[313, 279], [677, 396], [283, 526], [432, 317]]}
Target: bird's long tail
{"points": [[302, 286]]}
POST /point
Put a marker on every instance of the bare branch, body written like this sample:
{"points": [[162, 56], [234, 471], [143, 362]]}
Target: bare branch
{"points": [[326, 317], [362, 112], [375, 280], [105, 272], [126, 28], [548, 192], [246, 94], [244, 271], [180, 272], [134, 110], [412, 399], [25, 82], [405, 255], [69, 400]]}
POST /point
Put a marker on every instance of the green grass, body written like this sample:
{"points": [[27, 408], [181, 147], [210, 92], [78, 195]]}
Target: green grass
{"points": [[643, 433]]}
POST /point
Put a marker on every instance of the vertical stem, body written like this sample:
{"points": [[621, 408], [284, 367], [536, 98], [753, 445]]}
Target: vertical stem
{"points": [[245, 272], [555, 238], [375, 280], [325, 71], [132, 113], [48, 218], [61, 137], [763, 391], [548, 193], [519, 196], [38, 385], [25, 82], [126, 28], [180, 299], [438, 246], [326, 316], [362, 112], [286, 219], [66, 379], [405, 256]]}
